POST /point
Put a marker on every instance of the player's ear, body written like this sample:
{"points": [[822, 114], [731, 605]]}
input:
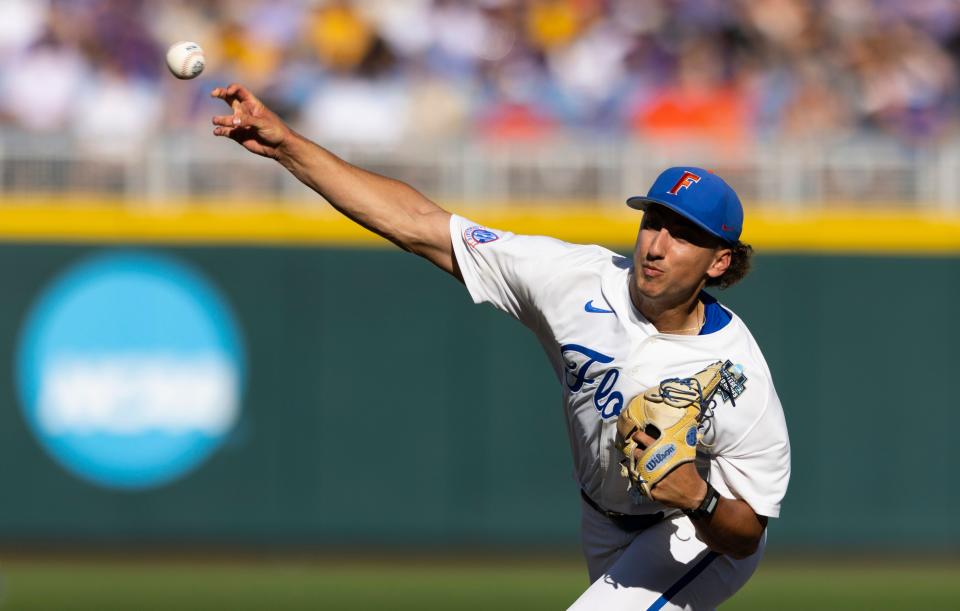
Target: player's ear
{"points": [[721, 261]]}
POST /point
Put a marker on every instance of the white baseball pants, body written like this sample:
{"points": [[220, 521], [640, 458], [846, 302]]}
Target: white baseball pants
{"points": [[663, 567]]}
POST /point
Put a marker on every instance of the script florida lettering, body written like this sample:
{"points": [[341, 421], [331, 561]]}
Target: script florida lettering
{"points": [[578, 360]]}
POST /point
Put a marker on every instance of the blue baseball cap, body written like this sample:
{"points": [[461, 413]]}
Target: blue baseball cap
{"points": [[698, 195]]}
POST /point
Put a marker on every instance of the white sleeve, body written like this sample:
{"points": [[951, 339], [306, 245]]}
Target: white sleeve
{"points": [[756, 468], [510, 271]]}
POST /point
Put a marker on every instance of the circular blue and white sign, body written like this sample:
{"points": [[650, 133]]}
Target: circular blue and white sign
{"points": [[130, 370]]}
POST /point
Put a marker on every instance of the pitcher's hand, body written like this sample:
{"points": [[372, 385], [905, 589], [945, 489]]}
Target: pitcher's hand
{"points": [[682, 488], [257, 128]]}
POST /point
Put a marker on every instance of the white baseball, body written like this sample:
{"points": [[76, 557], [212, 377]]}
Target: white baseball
{"points": [[185, 59]]}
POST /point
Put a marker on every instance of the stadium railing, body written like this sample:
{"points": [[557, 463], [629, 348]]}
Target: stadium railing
{"points": [[855, 172]]}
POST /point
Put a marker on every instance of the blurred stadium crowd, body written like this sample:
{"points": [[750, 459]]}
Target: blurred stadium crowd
{"points": [[382, 71]]}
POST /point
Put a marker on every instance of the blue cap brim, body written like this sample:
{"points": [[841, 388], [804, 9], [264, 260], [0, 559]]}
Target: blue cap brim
{"points": [[640, 202]]}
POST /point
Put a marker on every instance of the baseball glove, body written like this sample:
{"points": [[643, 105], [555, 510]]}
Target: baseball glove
{"points": [[671, 413]]}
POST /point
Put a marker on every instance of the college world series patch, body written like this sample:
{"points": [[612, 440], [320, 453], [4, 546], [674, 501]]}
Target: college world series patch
{"points": [[476, 235], [733, 382]]}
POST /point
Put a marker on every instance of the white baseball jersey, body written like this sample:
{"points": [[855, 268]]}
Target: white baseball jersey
{"points": [[576, 300]]}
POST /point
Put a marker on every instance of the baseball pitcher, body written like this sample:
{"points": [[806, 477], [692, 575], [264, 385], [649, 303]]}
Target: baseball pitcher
{"points": [[678, 437]]}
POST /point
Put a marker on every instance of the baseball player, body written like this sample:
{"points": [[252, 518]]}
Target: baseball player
{"points": [[613, 327]]}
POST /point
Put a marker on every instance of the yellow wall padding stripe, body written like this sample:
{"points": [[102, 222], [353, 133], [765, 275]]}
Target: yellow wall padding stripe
{"points": [[842, 230]]}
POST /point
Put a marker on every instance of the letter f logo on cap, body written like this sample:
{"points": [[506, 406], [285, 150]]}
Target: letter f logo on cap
{"points": [[685, 182]]}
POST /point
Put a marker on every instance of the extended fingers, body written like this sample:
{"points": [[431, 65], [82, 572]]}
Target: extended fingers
{"points": [[228, 120], [238, 120], [224, 92], [233, 92], [643, 440]]}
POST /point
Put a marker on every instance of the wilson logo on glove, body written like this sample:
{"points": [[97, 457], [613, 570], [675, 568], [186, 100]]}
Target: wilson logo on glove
{"points": [[660, 457]]}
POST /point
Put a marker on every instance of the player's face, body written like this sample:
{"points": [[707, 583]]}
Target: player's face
{"points": [[674, 257]]}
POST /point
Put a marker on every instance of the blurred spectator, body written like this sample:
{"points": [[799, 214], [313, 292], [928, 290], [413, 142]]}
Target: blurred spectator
{"points": [[514, 107], [700, 103], [40, 82], [379, 71], [340, 35], [366, 102], [815, 107], [21, 22], [115, 112], [552, 23]]}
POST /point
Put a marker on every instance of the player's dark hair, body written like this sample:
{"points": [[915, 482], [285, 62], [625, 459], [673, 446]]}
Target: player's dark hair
{"points": [[740, 256]]}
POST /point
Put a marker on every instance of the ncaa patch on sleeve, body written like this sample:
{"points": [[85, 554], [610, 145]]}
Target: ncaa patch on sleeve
{"points": [[476, 235]]}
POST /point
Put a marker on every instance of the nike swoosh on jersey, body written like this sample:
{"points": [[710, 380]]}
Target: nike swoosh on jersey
{"points": [[589, 307]]}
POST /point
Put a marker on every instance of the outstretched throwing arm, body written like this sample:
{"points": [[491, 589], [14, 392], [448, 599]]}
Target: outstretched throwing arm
{"points": [[388, 207]]}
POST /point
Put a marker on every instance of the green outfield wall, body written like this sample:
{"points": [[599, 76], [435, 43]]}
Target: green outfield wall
{"points": [[379, 405]]}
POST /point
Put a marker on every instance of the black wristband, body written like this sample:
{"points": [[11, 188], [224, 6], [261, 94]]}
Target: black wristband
{"points": [[707, 507]]}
